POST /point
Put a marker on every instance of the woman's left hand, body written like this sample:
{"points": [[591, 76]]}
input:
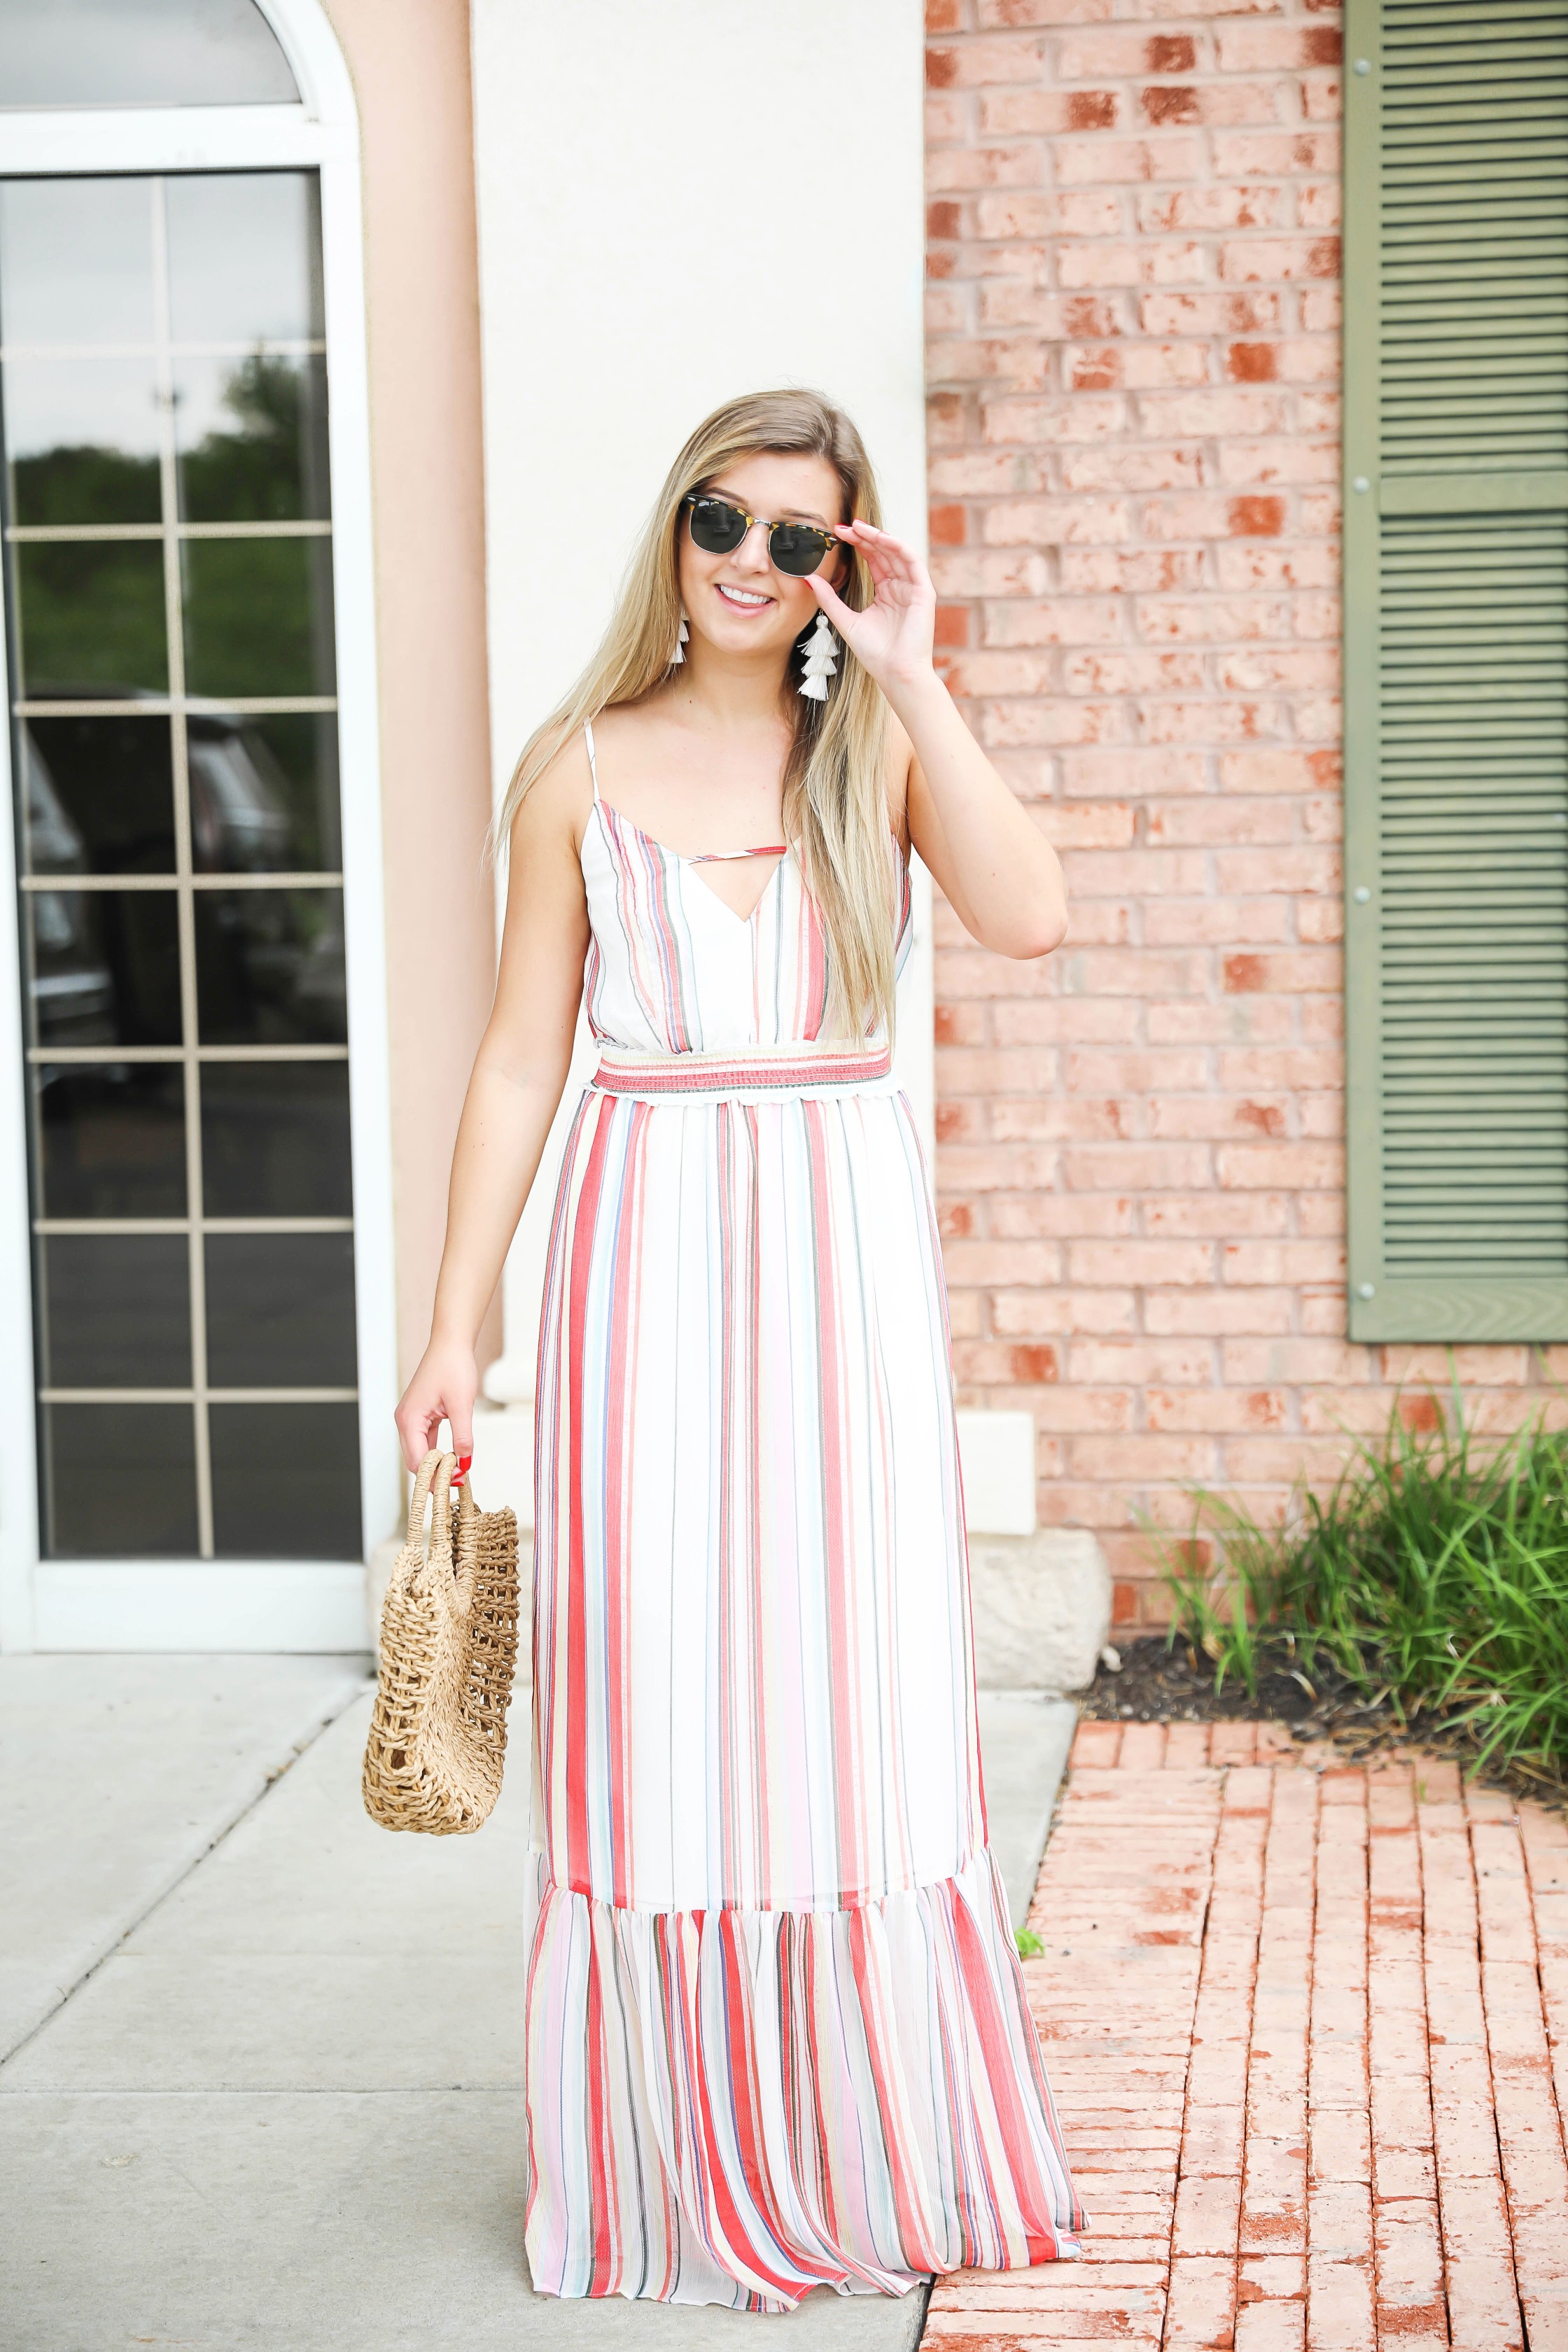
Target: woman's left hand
{"points": [[892, 637]]}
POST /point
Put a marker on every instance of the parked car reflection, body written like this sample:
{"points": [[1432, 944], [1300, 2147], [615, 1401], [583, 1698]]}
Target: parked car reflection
{"points": [[99, 968], [269, 967], [99, 793], [241, 822], [100, 796]]}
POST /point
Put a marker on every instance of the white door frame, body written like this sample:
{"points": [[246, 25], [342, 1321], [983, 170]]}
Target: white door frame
{"points": [[232, 1603]]}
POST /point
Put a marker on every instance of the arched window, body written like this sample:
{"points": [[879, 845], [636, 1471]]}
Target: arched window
{"points": [[140, 53], [183, 757]]}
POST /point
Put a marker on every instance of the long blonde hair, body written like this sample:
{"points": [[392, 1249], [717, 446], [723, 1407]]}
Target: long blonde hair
{"points": [[834, 809]]}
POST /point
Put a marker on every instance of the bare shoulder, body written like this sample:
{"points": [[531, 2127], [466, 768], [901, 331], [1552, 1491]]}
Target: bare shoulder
{"points": [[554, 809], [628, 727], [623, 721]]}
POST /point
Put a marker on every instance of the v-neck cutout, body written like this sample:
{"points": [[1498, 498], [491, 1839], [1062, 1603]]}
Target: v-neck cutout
{"points": [[614, 816]]}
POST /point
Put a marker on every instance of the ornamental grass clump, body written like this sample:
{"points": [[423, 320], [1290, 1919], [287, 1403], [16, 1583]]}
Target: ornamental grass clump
{"points": [[1433, 1577]]}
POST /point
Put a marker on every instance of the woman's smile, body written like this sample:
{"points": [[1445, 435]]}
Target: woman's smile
{"points": [[742, 600]]}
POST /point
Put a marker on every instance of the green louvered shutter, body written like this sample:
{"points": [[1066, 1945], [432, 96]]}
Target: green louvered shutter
{"points": [[1457, 668]]}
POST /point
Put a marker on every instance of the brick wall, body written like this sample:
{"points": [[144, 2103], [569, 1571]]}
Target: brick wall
{"points": [[1133, 356]]}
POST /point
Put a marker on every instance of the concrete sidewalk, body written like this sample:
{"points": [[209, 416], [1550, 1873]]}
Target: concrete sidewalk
{"points": [[285, 2110], [120, 1774]]}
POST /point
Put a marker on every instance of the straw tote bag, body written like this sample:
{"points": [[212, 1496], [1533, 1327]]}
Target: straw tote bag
{"points": [[448, 1647]]}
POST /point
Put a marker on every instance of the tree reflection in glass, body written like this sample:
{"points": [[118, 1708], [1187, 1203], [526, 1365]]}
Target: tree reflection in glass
{"points": [[92, 616], [82, 439], [258, 616], [252, 439]]}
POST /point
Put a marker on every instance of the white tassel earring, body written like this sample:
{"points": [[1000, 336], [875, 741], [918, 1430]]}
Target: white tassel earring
{"points": [[677, 657], [821, 647]]}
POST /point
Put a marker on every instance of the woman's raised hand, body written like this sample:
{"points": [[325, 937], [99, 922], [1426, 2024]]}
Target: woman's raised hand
{"points": [[892, 637]]}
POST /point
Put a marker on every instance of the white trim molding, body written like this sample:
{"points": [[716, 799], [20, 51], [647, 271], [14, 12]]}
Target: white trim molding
{"points": [[169, 139], [310, 45], [229, 1605], [18, 1404]]}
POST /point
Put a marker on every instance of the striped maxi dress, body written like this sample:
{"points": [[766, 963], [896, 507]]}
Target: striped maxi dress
{"points": [[777, 2031]]}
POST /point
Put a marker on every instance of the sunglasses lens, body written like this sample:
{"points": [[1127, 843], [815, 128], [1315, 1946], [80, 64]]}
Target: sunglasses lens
{"points": [[717, 528], [797, 547]]}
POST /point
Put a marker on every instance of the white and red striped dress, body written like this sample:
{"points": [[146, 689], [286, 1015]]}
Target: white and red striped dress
{"points": [[777, 2036]]}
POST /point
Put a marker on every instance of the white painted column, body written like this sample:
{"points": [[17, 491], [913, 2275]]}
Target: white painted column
{"points": [[675, 205]]}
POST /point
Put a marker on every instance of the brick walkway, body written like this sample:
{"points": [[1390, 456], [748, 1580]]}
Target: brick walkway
{"points": [[1308, 2029]]}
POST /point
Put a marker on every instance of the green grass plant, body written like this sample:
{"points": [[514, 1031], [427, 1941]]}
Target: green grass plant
{"points": [[1434, 1574]]}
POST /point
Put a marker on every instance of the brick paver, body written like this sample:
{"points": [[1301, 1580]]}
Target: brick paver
{"points": [[1308, 2024]]}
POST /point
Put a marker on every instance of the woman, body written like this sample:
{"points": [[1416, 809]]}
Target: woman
{"points": [[777, 2031]]}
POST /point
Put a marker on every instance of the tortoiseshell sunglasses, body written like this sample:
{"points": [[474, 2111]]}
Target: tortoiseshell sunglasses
{"points": [[718, 526]]}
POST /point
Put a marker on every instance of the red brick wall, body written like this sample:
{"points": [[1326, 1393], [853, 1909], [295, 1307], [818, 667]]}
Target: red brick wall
{"points": [[1134, 358]]}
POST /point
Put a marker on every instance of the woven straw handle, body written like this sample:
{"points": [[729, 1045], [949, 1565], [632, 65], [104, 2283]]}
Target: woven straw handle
{"points": [[433, 1481]]}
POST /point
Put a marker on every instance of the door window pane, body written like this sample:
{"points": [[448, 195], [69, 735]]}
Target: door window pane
{"points": [[82, 440], [264, 793], [178, 849], [114, 1310], [103, 967], [252, 439], [119, 1481], [140, 53], [75, 261], [269, 968], [258, 616], [286, 1480], [110, 1141], [245, 257], [92, 617], [99, 795], [281, 1310], [275, 1138]]}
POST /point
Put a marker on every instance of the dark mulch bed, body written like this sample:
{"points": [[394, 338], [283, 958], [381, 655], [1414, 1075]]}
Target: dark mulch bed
{"points": [[1157, 1683]]}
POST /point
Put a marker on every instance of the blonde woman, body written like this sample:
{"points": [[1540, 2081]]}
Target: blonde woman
{"points": [[776, 2033]]}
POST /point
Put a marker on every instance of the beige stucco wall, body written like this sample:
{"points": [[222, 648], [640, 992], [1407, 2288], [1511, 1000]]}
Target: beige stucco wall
{"points": [[409, 61]]}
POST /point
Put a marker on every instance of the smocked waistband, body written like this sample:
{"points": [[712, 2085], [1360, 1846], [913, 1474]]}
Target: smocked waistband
{"points": [[762, 1070]]}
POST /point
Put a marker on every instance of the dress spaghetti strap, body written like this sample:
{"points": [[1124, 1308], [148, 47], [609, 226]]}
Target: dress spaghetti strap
{"points": [[722, 857], [592, 759]]}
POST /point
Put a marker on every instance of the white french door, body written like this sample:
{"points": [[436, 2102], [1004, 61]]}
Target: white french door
{"points": [[199, 1239]]}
